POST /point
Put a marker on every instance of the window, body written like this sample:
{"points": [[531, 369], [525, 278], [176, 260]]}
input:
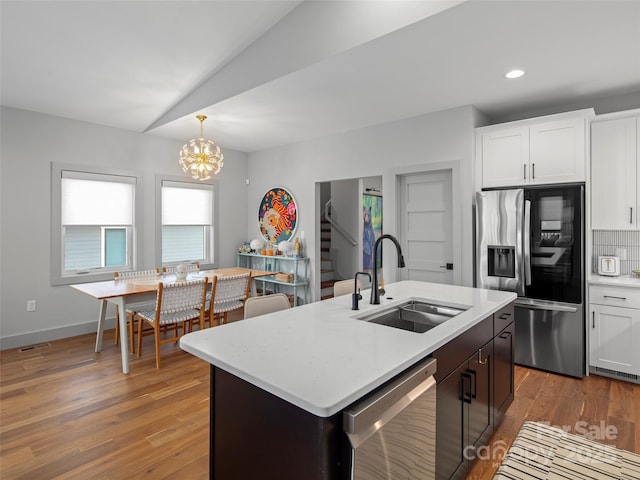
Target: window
{"points": [[92, 224], [187, 222]]}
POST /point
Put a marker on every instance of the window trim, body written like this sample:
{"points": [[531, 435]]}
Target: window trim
{"points": [[56, 241], [160, 178]]}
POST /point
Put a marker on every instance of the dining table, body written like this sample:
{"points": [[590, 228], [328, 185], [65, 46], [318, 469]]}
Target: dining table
{"points": [[123, 292]]}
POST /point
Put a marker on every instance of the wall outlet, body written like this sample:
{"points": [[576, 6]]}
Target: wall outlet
{"points": [[621, 253], [31, 305]]}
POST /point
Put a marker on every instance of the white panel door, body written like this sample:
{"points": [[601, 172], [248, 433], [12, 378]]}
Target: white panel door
{"points": [[426, 226]]}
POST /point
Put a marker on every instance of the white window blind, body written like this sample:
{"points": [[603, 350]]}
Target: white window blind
{"points": [[185, 204], [187, 222], [94, 199], [91, 205]]}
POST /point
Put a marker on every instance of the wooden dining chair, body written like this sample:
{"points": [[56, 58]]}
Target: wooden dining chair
{"points": [[177, 305], [344, 287], [264, 304], [131, 308], [191, 267], [227, 294]]}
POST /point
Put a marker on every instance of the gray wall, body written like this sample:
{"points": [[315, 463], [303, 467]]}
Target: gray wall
{"points": [[408, 145], [29, 143]]}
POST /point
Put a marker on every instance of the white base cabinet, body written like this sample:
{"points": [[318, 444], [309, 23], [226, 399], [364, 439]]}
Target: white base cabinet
{"points": [[614, 332], [534, 152]]}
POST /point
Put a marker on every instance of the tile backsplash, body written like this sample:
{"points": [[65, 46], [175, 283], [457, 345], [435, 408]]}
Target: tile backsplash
{"points": [[605, 242]]}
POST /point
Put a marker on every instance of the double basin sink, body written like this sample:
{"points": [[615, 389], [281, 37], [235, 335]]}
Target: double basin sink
{"points": [[415, 316]]}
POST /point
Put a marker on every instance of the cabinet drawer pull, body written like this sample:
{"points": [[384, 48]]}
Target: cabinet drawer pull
{"points": [[474, 383], [504, 316], [504, 335], [480, 361], [614, 297], [465, 387]]}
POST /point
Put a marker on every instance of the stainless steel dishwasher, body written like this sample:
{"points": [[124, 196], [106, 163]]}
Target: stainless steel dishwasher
{"points": [[392, 431]]}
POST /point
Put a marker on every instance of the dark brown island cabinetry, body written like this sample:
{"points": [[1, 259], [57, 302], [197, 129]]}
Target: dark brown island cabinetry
{"points": [[255, 434], [475, 387]]}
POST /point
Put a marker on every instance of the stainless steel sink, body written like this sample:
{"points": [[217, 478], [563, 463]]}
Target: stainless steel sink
{"points": [[415, 316]]}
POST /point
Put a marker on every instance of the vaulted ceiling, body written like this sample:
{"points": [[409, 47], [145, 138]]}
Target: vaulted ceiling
{"points": [[270, 72]]}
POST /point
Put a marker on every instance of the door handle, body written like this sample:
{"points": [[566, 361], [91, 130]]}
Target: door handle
{"points": [[630, 214], [593, 319], [527, 247], [524, 172], [543, 306], [533, 171], [465, 393]]}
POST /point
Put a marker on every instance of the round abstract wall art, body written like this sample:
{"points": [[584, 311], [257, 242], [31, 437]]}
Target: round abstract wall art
{"points": [[277, 215]]}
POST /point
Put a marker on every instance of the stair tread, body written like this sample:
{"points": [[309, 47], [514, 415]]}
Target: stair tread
{"points": [[327, 284]]}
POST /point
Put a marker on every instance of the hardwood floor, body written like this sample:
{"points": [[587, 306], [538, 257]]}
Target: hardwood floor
{"points": [[67, 412], [584, 406]]}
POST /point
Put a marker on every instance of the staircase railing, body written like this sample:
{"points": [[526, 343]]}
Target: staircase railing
{"points": [[334, 224]]}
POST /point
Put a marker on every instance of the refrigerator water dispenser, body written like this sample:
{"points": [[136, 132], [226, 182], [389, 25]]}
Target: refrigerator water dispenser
{"points": [[501, 261]]}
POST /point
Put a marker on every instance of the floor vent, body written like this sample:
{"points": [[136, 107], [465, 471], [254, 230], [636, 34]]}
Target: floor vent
{"points": [[34, 347], [615, 374]]}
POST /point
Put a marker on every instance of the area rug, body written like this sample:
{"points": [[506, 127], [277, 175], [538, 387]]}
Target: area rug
{"points": [[540, 451]]}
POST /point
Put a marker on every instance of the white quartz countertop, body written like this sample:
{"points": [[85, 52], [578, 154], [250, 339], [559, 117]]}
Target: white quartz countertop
{"points": [[321, 358], [620, 281]]}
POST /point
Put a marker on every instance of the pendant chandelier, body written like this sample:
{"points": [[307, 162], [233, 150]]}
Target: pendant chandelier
{"points": [[201, 158]]}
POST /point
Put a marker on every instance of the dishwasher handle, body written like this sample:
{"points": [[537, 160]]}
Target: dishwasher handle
{"points": [[370, 414]]}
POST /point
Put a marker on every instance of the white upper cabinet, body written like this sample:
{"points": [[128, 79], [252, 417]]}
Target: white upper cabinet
{"points": [[538, 151], [505, 156], [558, 151], [615, 173]]}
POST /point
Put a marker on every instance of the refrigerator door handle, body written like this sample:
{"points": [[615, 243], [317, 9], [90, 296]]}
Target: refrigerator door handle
{"points": [[527, 242], [544, 306]]}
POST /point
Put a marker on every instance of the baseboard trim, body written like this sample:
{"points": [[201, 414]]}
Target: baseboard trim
{"points": [[42, 336]]}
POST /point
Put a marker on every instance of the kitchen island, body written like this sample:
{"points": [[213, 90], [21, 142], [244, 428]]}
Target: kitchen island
{"points": [[279, 382]]}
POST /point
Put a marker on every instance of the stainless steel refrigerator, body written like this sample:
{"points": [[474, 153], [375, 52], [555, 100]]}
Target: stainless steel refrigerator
{"points": [[531, 241]]}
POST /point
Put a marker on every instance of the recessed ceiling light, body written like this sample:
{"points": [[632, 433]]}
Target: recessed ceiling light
{"points": [[514, 74]]}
